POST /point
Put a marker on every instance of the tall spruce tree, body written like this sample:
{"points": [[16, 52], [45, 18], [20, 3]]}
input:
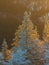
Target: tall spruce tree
{"points": [[26, 32]]}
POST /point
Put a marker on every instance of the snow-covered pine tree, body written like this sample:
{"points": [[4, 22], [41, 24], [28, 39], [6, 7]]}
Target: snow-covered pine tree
{"points": [[6, 52], [26, 34], [25, 37], [26, 31]]}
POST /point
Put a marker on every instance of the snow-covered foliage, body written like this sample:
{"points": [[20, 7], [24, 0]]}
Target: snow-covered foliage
{"points": [[27, 48]]}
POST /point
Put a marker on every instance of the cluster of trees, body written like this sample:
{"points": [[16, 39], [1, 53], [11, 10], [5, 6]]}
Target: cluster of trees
{"points": [[23, 35], [26, 38]]}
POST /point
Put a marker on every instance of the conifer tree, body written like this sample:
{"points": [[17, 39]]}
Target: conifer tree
{"points": [[6, 52], [26, 31]]}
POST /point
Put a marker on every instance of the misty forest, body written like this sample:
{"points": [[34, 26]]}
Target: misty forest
{"points": [[24, 32]]}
